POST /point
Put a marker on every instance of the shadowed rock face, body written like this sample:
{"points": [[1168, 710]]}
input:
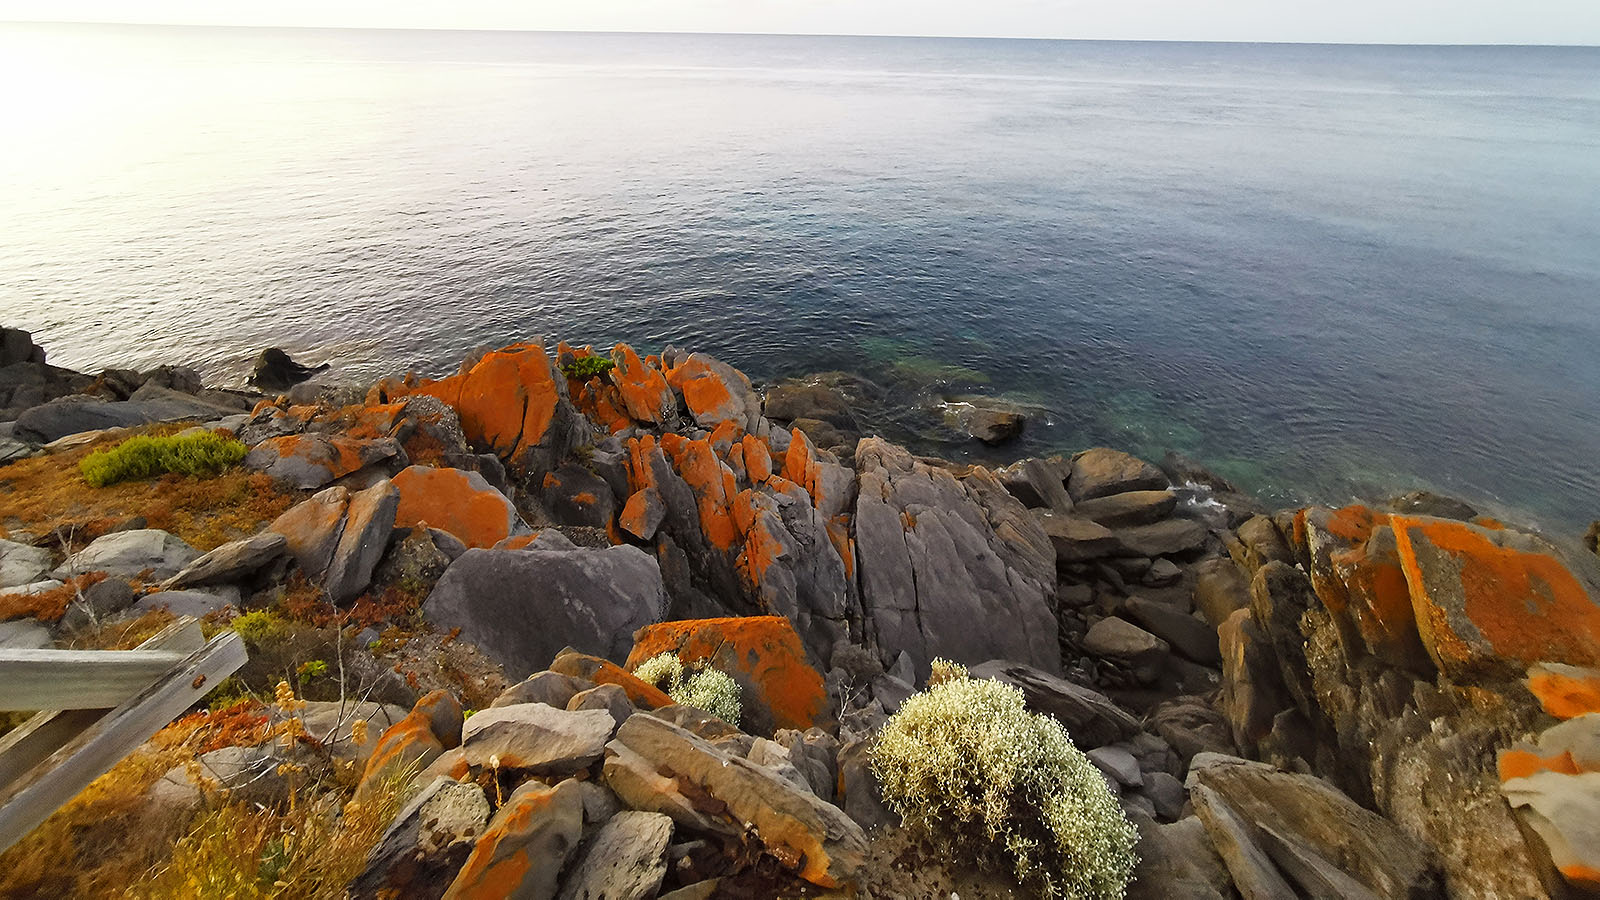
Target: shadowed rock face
{"points": [[274, 370]]}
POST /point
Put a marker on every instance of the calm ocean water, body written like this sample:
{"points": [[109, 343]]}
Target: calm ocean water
{"points": [[1326, 271]]}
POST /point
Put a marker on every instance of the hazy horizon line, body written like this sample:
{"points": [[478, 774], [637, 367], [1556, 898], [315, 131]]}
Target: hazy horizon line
{"points": [[947, 37]]}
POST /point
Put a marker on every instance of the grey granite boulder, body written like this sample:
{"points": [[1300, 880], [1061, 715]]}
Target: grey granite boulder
{"points": [[522, 607], [1129, 508], [951, 567], [420, 853], [130, 553], [190, 603]]}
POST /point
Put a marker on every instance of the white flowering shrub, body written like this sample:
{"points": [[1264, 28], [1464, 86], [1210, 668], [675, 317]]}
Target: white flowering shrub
{"points": [[709, 689], [967, 765]]}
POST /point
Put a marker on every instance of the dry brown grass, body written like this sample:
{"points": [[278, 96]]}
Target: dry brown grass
{"points": [[46, 606], [48, 492]]}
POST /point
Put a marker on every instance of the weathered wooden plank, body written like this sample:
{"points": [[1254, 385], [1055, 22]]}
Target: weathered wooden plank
{"points": [[31, 799], [26, 746], [78, 679]]}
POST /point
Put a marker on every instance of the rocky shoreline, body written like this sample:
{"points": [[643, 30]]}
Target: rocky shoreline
{"points": [[1399, 699]]}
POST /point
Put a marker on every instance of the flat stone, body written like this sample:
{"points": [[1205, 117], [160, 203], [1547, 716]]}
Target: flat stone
{"points": [[189, 603], [626, 860], [313, 528], [1122, 640], [231, 562], [1168, 538], [550, 688], [536, 737], [1178, 861], [609, 697], [24, 634], [1253, 871], [1078, 540], [1564, 811], [1039, 483], [1128, 508], [1167, 793], [130, 554]]}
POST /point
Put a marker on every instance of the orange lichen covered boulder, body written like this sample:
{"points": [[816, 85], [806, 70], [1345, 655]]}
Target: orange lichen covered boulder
{"points": [[603, 671], [1490, 603], [715, 392], [1566, 692], [526, 845], [312, 460], [510, 400], [1356, 572], [762, 653], [460, 502], [646, 396], [432, 727]]}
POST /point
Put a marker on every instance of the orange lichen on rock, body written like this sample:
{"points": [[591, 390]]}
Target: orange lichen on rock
{"points": [[604, 671], [713, 484], [459, 502], [1379, 599], [525, 845], [757, 459], [1488, 601], [763, 653], [709, 397], [340, 455], [645, 394], [1566, 692], [432, 727], [1520, 763], [506, 401]]}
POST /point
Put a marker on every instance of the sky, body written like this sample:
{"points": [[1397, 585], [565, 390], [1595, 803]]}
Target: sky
{"points": [[1333, 21]]}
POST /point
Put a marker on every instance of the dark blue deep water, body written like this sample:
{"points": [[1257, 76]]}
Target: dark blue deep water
{"points": [[1325, 271]]}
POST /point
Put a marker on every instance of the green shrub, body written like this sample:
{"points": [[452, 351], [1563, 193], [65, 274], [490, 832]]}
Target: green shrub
{"points": [[965, 764], [586, 367], [260, 627], [205, 453], [708, 689]]}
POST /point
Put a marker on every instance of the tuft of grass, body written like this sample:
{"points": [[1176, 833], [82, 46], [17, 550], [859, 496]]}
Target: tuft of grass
{"points": [[709, 689], [146, 456], [586, 367], [46, 606], [312, 849]]}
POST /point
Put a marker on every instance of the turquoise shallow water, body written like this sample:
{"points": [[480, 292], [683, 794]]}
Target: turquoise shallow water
{"points": [[1326, 271]]}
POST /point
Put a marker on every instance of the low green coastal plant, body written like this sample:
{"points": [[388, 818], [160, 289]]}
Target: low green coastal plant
{"points": [[586, 367], [708, 689], [965, 764], [201, 454]]}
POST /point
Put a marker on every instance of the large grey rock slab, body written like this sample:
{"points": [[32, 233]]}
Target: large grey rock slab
{"points": [[1119, 639], [75, 415], [1304, 818], [815, 838], [1173, 536], [542, 739], [1039, 483], [1178, 861], [954, 568], [626, 860], [367, 526], [231, 562], [130, 553], [550, 688], [420, 853], [1189, 636], [1077, 540], [522, 607], [21, 564], [1101, 472], [1090, 717], [190, 603]]}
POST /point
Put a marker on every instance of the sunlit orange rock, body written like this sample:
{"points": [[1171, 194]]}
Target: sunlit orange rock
{"points": [[604, 671], [1520, 763], [646, 396], [432, 727], [1491, 603], [762, 653], [1357, 574], [1566, 692], [713, 484], [313, 460], [507, 400], [714, 391], [462, 503]]}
